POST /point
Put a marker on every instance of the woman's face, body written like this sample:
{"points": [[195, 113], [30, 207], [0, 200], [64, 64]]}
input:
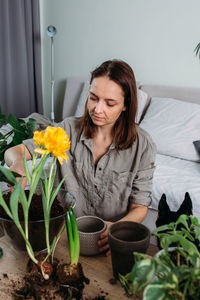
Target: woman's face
{"points": [[105, 101]]}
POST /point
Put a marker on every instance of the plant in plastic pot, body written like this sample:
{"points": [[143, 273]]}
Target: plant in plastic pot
{"points": [[44, 271], [52, 141], [174, 273]]}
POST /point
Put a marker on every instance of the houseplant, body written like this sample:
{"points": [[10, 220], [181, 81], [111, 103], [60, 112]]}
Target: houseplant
{"points": [[197, 50], [53, 141], [17, 130], [171, 274]]}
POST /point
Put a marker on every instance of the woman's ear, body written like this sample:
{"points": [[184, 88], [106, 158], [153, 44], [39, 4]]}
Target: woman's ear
{"points": [[124, 108]]}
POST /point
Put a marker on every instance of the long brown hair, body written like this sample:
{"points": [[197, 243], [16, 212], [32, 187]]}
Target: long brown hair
{"points": [[125, 128]]}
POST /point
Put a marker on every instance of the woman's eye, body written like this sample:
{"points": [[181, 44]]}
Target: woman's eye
{"points": [[92, 98], [110, 104]]}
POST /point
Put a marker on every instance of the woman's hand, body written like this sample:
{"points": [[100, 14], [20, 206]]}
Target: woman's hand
{"points": [[14, 158], [137, 213], [103, 241]]}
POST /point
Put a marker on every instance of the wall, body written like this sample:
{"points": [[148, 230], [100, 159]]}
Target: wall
{"points": [[156, 37]]}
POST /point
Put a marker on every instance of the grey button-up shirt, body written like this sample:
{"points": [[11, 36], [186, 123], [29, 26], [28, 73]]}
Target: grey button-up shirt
{"points": [[120, 177]]}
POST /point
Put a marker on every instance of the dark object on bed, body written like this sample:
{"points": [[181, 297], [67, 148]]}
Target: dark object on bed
{"points": [[166, 216], [197, 145]]}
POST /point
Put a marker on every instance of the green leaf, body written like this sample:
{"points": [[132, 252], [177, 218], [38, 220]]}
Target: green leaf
{"points": [[168, 239], [141, 273], [164, 228], [14, 200], [36, 174], [12, 120], [125, 284], [28, 175], [197, 50], [31, 126], [55, 192], [183, 219], [75, 235], [70, 237], [194, 221], [156, 291], [4, 205], [9, 175], [3, 178], [189, 246]]}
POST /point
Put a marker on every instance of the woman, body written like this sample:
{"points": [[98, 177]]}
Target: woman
{"points": [[111, 160]]}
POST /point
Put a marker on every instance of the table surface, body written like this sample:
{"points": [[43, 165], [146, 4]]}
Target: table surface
{"points": [[97, 268]]}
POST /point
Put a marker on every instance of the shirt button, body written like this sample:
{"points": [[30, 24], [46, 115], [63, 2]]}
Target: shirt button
{"points": [[95, 186], [100, 169]]}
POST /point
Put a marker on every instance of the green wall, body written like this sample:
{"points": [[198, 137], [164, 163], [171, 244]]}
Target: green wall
{"points": [[156, 37]]}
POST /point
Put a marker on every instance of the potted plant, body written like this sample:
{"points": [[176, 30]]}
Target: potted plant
{"points": [[53, 141], [71, 275], [17, 130], [174, 273]]}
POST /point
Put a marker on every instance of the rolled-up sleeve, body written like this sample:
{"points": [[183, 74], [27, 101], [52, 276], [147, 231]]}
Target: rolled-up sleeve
{"points": [[143, 181]]}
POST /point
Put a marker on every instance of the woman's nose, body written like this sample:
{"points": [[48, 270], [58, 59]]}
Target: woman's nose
{"points": [[99, 106]]}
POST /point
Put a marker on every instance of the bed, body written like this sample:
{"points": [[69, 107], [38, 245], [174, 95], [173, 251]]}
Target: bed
{"points": [[171, 115]]}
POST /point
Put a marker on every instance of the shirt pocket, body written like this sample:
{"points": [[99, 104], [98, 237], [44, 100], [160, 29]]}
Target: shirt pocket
{"points": [[120, 184]]}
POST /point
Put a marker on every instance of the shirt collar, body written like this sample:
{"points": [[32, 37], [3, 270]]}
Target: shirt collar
{"points": [[88, 142]]}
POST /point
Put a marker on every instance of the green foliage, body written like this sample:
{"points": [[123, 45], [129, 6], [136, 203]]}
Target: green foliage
{"points": [[8, 180], [48, 196], [73, 236], [197, 50], [19, 131], [49, 192], [165, 277]]}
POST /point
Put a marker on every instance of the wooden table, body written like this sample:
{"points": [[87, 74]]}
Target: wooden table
{"points": [[97, 268]]}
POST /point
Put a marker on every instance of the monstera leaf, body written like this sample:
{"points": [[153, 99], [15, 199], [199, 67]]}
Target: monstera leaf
{"points": [[19, 131]]}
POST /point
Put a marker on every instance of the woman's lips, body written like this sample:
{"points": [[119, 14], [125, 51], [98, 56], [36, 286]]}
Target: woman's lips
{"points": [[97, 118]]}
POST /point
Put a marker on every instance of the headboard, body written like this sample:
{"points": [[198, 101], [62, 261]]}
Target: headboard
{"points": [[74, 86], [187, 94]]}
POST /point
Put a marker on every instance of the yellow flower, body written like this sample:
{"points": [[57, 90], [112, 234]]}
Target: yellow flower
{"points": [[38, 137], [53, 140]]}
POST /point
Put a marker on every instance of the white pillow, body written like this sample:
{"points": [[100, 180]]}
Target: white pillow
{"points": [[173, 125], [142, 101]]}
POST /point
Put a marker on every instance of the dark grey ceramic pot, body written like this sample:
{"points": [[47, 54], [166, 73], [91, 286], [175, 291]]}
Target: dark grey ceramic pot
{"points": [[124, 238]]}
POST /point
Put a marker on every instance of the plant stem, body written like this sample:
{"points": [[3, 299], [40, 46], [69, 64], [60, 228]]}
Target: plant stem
{"points": [[57, 240], [48, 209], [50, 178]]}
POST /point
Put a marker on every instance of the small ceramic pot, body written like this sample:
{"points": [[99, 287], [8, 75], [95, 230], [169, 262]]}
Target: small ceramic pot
{"points": [[124, 238], [90, 228]]}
